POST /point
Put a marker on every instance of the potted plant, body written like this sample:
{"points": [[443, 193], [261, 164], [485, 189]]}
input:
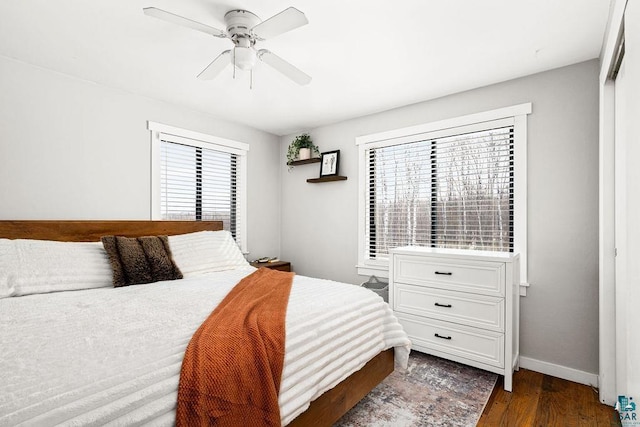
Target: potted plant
{"points": [[301, 148]]}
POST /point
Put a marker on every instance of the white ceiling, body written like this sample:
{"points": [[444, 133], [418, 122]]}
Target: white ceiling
{"points": [[365, 56]]}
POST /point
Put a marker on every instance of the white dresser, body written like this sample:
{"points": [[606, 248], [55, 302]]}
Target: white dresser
{"points": [[459, 305]]}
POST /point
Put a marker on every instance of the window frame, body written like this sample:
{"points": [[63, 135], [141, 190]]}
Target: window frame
{"points": [[515, 115], [178, 135]]}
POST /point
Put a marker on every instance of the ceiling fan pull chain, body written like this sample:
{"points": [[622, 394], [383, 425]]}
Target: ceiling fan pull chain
{"points": [[251, 81]]}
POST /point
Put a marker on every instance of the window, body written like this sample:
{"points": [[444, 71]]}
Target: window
{"points": [[451, 184], [450, 192], [199, 177]]}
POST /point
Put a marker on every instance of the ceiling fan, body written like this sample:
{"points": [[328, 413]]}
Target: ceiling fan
{"points": [[245, 29]]}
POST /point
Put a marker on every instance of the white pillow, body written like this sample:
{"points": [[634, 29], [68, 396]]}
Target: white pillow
{"points": [[205, 252], [42, 266]]}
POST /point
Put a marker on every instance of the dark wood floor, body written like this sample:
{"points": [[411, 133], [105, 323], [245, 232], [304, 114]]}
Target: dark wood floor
{"points": [[542, 400]]}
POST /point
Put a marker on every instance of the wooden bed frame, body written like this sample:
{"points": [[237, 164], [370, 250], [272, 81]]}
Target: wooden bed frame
{"points": [[324, 411]]}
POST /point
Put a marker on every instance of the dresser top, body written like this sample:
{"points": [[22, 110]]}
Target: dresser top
{"points": [[455, 253]]}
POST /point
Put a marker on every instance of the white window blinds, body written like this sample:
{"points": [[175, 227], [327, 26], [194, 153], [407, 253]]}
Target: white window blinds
{"points": [[199, 177], [454, 191], [199, 184]]}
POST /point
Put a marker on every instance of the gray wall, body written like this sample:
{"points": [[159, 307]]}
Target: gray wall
{"points": [[71, 149], [559, 319]]}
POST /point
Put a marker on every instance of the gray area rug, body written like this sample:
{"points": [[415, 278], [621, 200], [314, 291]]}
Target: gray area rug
{"points": [[432, 392]]}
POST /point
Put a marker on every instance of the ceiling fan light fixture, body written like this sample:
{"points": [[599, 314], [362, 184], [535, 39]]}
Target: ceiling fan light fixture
{"points": [[243, 58]]}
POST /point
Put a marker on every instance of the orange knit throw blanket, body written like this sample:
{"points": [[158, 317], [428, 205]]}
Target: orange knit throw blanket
{"points": [[232, 368]]}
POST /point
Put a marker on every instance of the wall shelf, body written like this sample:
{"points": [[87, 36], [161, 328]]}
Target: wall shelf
{"points": [[316, 180], [327, 179], [304, 162]]}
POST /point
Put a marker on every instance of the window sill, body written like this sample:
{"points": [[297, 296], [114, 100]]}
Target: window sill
{"points": [[373, 270]]}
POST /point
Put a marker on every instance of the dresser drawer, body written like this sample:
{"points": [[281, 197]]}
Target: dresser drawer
{"points": [[467, 309], [470, 343], [482, 277]]}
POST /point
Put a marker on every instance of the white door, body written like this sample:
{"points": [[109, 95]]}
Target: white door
{"points": [[627, 210], [621, 228], [630, 292]]}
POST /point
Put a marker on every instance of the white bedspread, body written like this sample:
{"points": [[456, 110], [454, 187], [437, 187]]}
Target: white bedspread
{"points": [[112, 356]]}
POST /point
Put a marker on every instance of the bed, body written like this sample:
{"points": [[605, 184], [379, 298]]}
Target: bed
{"points": [[111, 356]]}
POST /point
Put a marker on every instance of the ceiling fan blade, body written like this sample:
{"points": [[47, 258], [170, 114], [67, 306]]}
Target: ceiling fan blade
{"points": [[216, 66], [284, 67], [287, 20], [185, 22]]}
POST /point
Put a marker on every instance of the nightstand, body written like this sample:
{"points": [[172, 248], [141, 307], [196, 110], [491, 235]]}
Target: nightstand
{"points": [[277, 265]]}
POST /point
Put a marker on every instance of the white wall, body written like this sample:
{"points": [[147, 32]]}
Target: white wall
{"points": [[71, 149], [559, 319]]}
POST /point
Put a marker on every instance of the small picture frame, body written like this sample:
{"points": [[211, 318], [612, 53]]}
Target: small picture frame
{"points": [[329, 163]]}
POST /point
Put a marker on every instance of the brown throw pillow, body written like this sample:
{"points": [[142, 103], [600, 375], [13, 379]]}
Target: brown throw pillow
{"points": [[137, 260]]}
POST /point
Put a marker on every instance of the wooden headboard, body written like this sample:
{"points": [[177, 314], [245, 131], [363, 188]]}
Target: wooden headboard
{"points": [[91, 231]]}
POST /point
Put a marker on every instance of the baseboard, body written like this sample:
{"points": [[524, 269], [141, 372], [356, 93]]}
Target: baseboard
{"points": [[559, 371]]}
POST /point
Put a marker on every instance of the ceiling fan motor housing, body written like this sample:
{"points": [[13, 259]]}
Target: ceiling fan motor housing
{"points": [[240, 22]]}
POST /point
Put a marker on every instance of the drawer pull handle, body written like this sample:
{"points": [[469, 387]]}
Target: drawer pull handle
{"points": [[442, 305], [444, 338], [444, 273]]}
